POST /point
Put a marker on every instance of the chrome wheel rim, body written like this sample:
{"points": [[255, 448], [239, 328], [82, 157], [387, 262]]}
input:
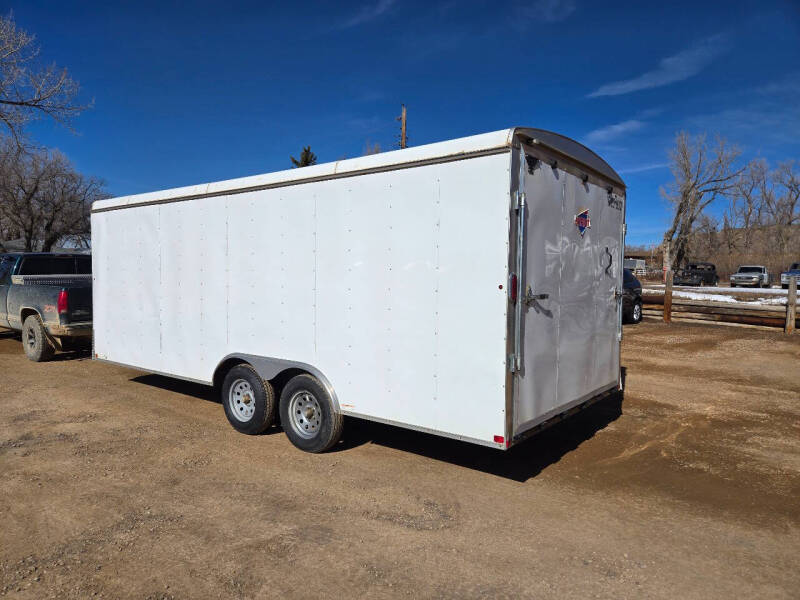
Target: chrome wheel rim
{"points": [[30, 338], [242, 400], [637, 312], [305, 414]]}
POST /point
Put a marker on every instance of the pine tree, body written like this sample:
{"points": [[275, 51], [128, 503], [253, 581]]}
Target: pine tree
{"points": [[307, 158]]}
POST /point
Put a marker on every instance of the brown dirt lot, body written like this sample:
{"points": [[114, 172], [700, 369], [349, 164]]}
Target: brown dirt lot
{"points": [[122, 484]]}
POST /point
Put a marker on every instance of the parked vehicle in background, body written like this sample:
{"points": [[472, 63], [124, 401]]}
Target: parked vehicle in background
{"points": [[793, 271], [631, 297], [751, 275], [48, 297], [697, 273], [636, 265]]}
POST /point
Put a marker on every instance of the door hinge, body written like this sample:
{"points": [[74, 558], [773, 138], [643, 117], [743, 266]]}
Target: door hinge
{"points": [[519, 200]]}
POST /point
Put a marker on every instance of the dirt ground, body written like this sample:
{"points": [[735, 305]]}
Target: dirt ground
{"points": [[119, 484]]}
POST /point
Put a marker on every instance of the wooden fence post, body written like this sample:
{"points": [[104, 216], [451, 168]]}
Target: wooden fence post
{"points": [[668, 298], [791, 305]]}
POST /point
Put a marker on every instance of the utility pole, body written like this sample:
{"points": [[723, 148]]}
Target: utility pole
{"points": [[402, 119]]}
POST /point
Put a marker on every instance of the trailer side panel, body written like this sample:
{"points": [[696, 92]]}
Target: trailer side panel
{"points": [[391, 284]]}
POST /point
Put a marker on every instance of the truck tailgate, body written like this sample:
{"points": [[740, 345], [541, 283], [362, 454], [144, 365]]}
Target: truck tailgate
{"points": [[79, 288]]}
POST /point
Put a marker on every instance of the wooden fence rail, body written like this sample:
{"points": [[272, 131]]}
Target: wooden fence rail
{"points": [[669, 306]]}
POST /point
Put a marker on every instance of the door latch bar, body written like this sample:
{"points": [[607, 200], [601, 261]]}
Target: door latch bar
{"points": [[531, 297]]}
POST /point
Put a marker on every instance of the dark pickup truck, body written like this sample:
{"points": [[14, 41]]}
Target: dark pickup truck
{"points": [[698, 273], [48, 297]]}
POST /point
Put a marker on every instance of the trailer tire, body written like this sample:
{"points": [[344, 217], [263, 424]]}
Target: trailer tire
{"points": [[308, 415], [249, 401], [37, 345]]}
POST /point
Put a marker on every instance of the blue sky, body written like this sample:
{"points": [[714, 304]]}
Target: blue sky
{"points": [[192, 92]]}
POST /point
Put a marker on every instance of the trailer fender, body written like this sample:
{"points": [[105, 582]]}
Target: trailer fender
{"points": [[269, 368]]}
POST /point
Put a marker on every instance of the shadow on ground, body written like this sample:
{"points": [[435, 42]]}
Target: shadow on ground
{"points": [[83, 354], [179, 386], [520, 463]]}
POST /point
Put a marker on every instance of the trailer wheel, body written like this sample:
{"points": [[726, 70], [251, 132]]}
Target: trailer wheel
{"points": [[37, 345], [249, 401], [308, 415]]}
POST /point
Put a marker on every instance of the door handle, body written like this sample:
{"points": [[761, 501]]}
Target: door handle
{"points": [[530, 296], [610, 260]]}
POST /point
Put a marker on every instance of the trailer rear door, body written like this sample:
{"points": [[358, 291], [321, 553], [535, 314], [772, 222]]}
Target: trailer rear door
{"points": [[571, 272]]}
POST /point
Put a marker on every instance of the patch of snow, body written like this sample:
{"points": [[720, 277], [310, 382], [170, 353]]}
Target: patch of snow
{"points": [[700, 296], [711, 296], [738, 290]]}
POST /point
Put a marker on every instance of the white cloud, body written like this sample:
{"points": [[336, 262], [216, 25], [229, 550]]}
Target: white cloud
{"points": [[680, 66], [367, 13], [789, 84], [549, 11], [756, 125], [762, 118], [372, 123], [611, 132], [643, 168]]}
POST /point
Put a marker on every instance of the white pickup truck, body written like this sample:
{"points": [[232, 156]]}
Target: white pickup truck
{"points": [[751, 275]]}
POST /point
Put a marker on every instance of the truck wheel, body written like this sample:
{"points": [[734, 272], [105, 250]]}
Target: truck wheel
{"points": [[249, 401], [636, 313], [308, 415], [37, 346]]}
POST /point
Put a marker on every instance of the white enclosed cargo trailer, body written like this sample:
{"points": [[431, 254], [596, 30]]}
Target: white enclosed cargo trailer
{"points": [[469, 288]]}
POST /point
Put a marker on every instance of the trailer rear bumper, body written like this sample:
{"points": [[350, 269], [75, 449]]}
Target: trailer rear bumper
{"points": [[533, 427]]}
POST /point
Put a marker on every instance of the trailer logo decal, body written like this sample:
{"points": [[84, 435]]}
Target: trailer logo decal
{"points": [[582, 221]]}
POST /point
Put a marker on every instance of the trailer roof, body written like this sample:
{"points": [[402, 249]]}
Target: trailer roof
{"points": [[458, 149]]}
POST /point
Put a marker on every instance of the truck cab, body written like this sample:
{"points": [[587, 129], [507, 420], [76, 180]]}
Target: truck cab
{"points": [[792, 271], [751, 275]]}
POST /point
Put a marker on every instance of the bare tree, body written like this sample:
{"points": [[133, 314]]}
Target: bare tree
{"points": [[28, 88], [702, 174], [705, 240], [370, 148], [747, 200], [42, 198], [783, 203]]}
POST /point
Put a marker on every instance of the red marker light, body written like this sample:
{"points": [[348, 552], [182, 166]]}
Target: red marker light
{"points": [[63, 302], [499, 439]]}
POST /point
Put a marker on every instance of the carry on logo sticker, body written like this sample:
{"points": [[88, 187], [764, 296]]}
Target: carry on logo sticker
{"points": [[582, 221]]}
